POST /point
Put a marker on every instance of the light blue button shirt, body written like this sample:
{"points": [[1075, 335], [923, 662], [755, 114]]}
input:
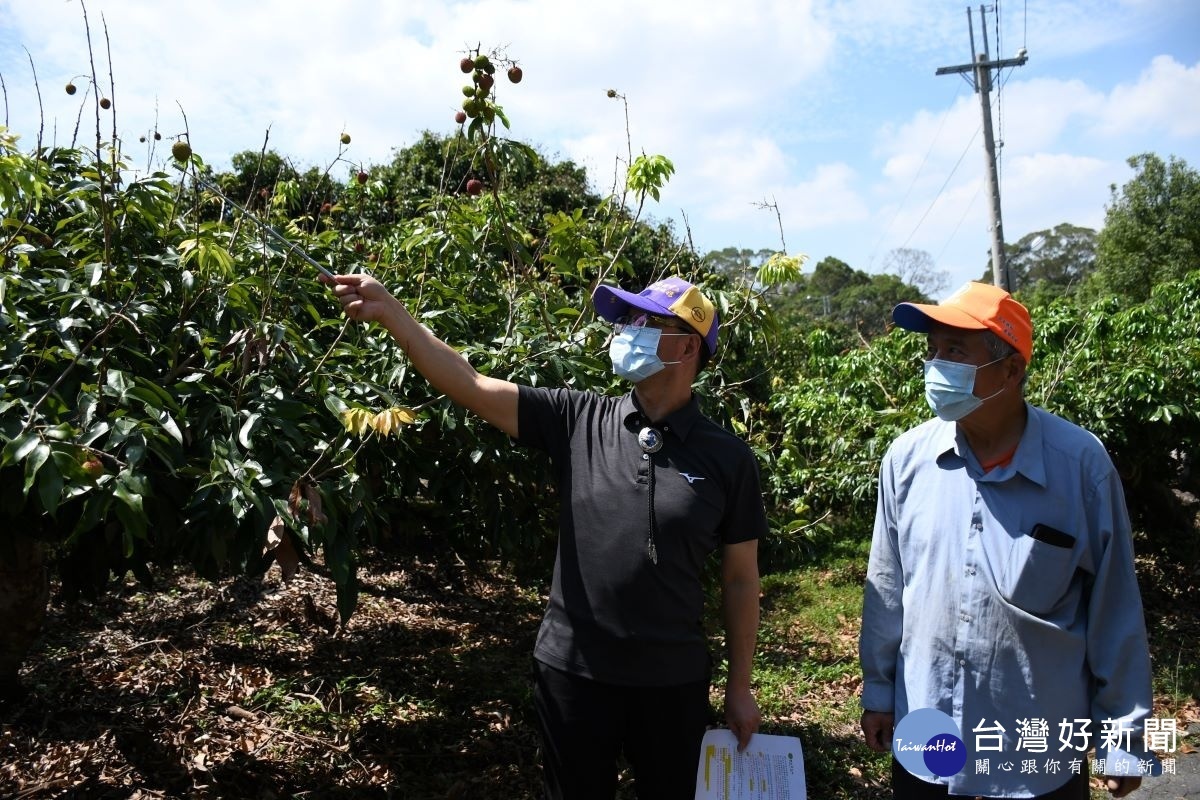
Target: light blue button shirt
{"points": [[966, 612]]}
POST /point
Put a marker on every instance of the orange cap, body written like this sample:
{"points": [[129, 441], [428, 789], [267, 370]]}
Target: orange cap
{"points": [[976, 306]]}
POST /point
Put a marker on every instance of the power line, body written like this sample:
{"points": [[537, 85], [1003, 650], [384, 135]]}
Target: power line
{"points": [[966, 210], [913, 182], [942, 189]]}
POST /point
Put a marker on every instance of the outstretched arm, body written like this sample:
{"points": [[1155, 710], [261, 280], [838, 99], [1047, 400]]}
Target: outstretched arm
{"points": [[365, 299]]}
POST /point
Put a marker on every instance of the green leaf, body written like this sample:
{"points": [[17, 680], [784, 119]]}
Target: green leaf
{"points": [[339, 557], [335, 404], [60, 433], [170, 426], [247, 429], [347, 599], [130, 512], [117, 384], [50, 485], [95, 510], [93, 433], [18, 448], [648, 174], [41, 453]]}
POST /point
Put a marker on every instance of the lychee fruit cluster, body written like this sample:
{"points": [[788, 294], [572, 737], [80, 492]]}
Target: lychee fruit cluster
{"points": [[482, 72]]}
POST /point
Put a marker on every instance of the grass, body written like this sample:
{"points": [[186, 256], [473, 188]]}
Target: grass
{"points": [[806, 670]]}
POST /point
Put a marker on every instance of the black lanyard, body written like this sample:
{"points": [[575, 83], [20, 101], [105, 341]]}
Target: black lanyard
{"points": [[651, 441]]}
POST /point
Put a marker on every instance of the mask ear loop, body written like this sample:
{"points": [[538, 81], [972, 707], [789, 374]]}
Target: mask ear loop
{"points": [[651, 441]]}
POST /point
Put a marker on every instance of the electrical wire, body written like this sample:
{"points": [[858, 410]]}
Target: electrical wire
{"points": [[938, 196], [1025, 26], [916, 175], [957, 225]]}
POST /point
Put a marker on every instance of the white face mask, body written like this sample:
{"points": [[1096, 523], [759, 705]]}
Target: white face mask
{"points": [[950, 388]]}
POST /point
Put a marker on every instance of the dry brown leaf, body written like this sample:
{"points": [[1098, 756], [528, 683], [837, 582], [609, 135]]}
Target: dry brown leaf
{"points": [[275, 532], [316, 513], [294, 497], [382, 423], [403, 415], [281, 547]]}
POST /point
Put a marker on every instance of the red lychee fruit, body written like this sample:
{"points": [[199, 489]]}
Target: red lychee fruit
{"points": [[486, 81], [70, 88], [474, 186], [466, 65], [362, 177], [460, 117], [515, 74], [105, 102]]}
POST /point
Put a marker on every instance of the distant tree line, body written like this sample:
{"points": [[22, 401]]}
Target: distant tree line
{"points": [[1151, 235]]}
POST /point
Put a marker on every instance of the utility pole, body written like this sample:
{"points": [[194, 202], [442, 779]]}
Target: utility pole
{"points": [[980, 69]]}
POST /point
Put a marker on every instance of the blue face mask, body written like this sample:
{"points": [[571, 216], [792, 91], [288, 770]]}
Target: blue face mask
{"points": [[950, 388], [634, 352]]}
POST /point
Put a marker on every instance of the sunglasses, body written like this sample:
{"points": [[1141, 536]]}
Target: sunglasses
{"points": [[648, 321]]}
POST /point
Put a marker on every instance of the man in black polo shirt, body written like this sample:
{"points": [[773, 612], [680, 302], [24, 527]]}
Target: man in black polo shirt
{"points": [[650, 487]]}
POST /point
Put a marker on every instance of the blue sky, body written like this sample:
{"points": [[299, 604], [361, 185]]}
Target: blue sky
{"points": [[829, 109]]}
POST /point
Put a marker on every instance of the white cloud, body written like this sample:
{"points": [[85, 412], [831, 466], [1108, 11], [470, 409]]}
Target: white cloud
{"points": [[1045, 189], [1166, 96], [1038, 112]]}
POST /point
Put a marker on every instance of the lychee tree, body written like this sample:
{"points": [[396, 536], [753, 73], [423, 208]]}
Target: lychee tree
{"points": [[177, 387]]}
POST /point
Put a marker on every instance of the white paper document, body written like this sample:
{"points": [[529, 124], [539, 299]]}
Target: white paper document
{"points": [[770, 768]]}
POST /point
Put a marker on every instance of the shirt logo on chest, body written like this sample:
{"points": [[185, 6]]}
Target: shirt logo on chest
{"points": [[692, 478]]}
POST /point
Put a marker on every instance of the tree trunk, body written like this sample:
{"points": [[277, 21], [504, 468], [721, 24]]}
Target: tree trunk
{"points": [[24, 595]]}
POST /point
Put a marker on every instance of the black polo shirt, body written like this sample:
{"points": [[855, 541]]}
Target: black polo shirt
{"points": [[615, 615]]}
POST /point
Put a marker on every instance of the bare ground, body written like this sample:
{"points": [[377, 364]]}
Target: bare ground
{"points": [[249, 689]]}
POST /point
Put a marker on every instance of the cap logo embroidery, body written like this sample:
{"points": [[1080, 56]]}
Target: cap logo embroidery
{"points": [[698, 313]]}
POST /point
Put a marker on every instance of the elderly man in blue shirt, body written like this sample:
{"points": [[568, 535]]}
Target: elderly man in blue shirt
{"points": [[1001, 595]]}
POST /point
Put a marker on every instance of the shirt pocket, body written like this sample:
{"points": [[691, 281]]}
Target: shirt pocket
{"points": [[1037, 574]]}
